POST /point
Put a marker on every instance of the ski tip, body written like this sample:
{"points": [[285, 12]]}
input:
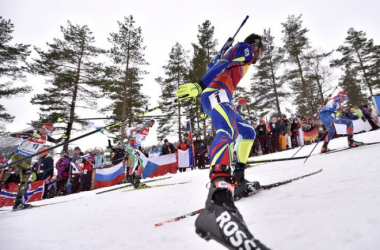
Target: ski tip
{"points": [[158, 224], [321, 169]]}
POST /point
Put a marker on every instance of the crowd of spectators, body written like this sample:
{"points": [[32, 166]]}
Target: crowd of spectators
{"points": [[278, 134]]}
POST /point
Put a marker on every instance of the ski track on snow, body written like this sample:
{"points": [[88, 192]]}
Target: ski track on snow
{"points": [[335, 209]]}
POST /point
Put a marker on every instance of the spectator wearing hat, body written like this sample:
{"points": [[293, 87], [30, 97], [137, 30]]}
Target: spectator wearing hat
{"points": [[183, 145], [154, 152], [118, 152], [76, 154], [288, 132], [100, 159], [63, 166], [294, 126], [200, 151], [265, 142], [281, 136], [300, 134], [167, 148], [45, 166], [274, 134], [88, 163]]}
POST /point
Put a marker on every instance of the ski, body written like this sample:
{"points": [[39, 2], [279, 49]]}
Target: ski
{"points": [[130, 184], [263, 187], [280, 183], [346, 148], [281, 159], [156, 186], [42, 205]]}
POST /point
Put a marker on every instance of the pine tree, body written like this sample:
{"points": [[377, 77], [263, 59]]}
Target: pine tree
{"points": [[175, 72], [318, 74], [203, 52], [124, 89], [351, 85], [296, 45], [73, 77], [360, 54], [267, 85], [11, 56]]}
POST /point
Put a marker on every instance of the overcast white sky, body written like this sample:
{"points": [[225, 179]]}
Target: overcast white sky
{"points": [[166, 22]]}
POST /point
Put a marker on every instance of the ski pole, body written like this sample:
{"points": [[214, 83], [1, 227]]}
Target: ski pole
{"points": [[318, 142], [90, 133]]}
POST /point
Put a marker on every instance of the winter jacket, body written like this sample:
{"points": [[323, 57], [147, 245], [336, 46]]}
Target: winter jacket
{"points": [[295, 125], [100, 160], [261, 129], [154, 153], [63, 167], [45, 167], [88, 163], [183, 146], [359, 113], [117, 153], [168, 149], [352, 116], [282, 127], [274, 128]]}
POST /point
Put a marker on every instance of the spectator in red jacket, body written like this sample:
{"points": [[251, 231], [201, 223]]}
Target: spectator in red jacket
{"points": [[183, 145], [88, 160]]}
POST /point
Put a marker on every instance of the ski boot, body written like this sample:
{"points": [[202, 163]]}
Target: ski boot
{"points": [[18, 205], [352, 143], [244, 187], [220, 219], [324, 148], [137, 184]]}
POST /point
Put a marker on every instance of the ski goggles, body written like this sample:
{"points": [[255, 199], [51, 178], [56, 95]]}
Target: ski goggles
{"points": [[47, 130]]}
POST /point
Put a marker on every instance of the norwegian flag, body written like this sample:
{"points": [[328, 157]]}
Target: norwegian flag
{"points": [[34, 191], [8, 195], [189, 131]]}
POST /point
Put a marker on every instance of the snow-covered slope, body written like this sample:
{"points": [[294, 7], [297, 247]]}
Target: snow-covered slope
{"points": [[335, 209]]}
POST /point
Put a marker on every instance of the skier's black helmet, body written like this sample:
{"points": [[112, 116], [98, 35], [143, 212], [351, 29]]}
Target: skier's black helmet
{"points": [[255, 39]]}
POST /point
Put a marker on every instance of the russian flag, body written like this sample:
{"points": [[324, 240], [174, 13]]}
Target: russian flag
{"points": [[109, 176], [34, 191]]}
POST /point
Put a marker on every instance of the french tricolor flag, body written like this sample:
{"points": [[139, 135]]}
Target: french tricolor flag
{"points": [[107, 177]]}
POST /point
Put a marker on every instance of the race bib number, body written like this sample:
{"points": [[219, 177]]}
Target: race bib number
{"points": [[31, 146], [218, 97]]}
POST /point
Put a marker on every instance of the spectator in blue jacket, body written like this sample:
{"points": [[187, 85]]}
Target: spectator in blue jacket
{"points": [[352, 114], [100, 159], [154, 152]]}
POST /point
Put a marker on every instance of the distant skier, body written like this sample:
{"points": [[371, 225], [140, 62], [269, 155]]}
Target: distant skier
{"points": [[327, 116], [137, 134], [221, 220]]}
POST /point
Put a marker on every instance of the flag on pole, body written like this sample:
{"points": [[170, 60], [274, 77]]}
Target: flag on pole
{"points": [[189, 131]]}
